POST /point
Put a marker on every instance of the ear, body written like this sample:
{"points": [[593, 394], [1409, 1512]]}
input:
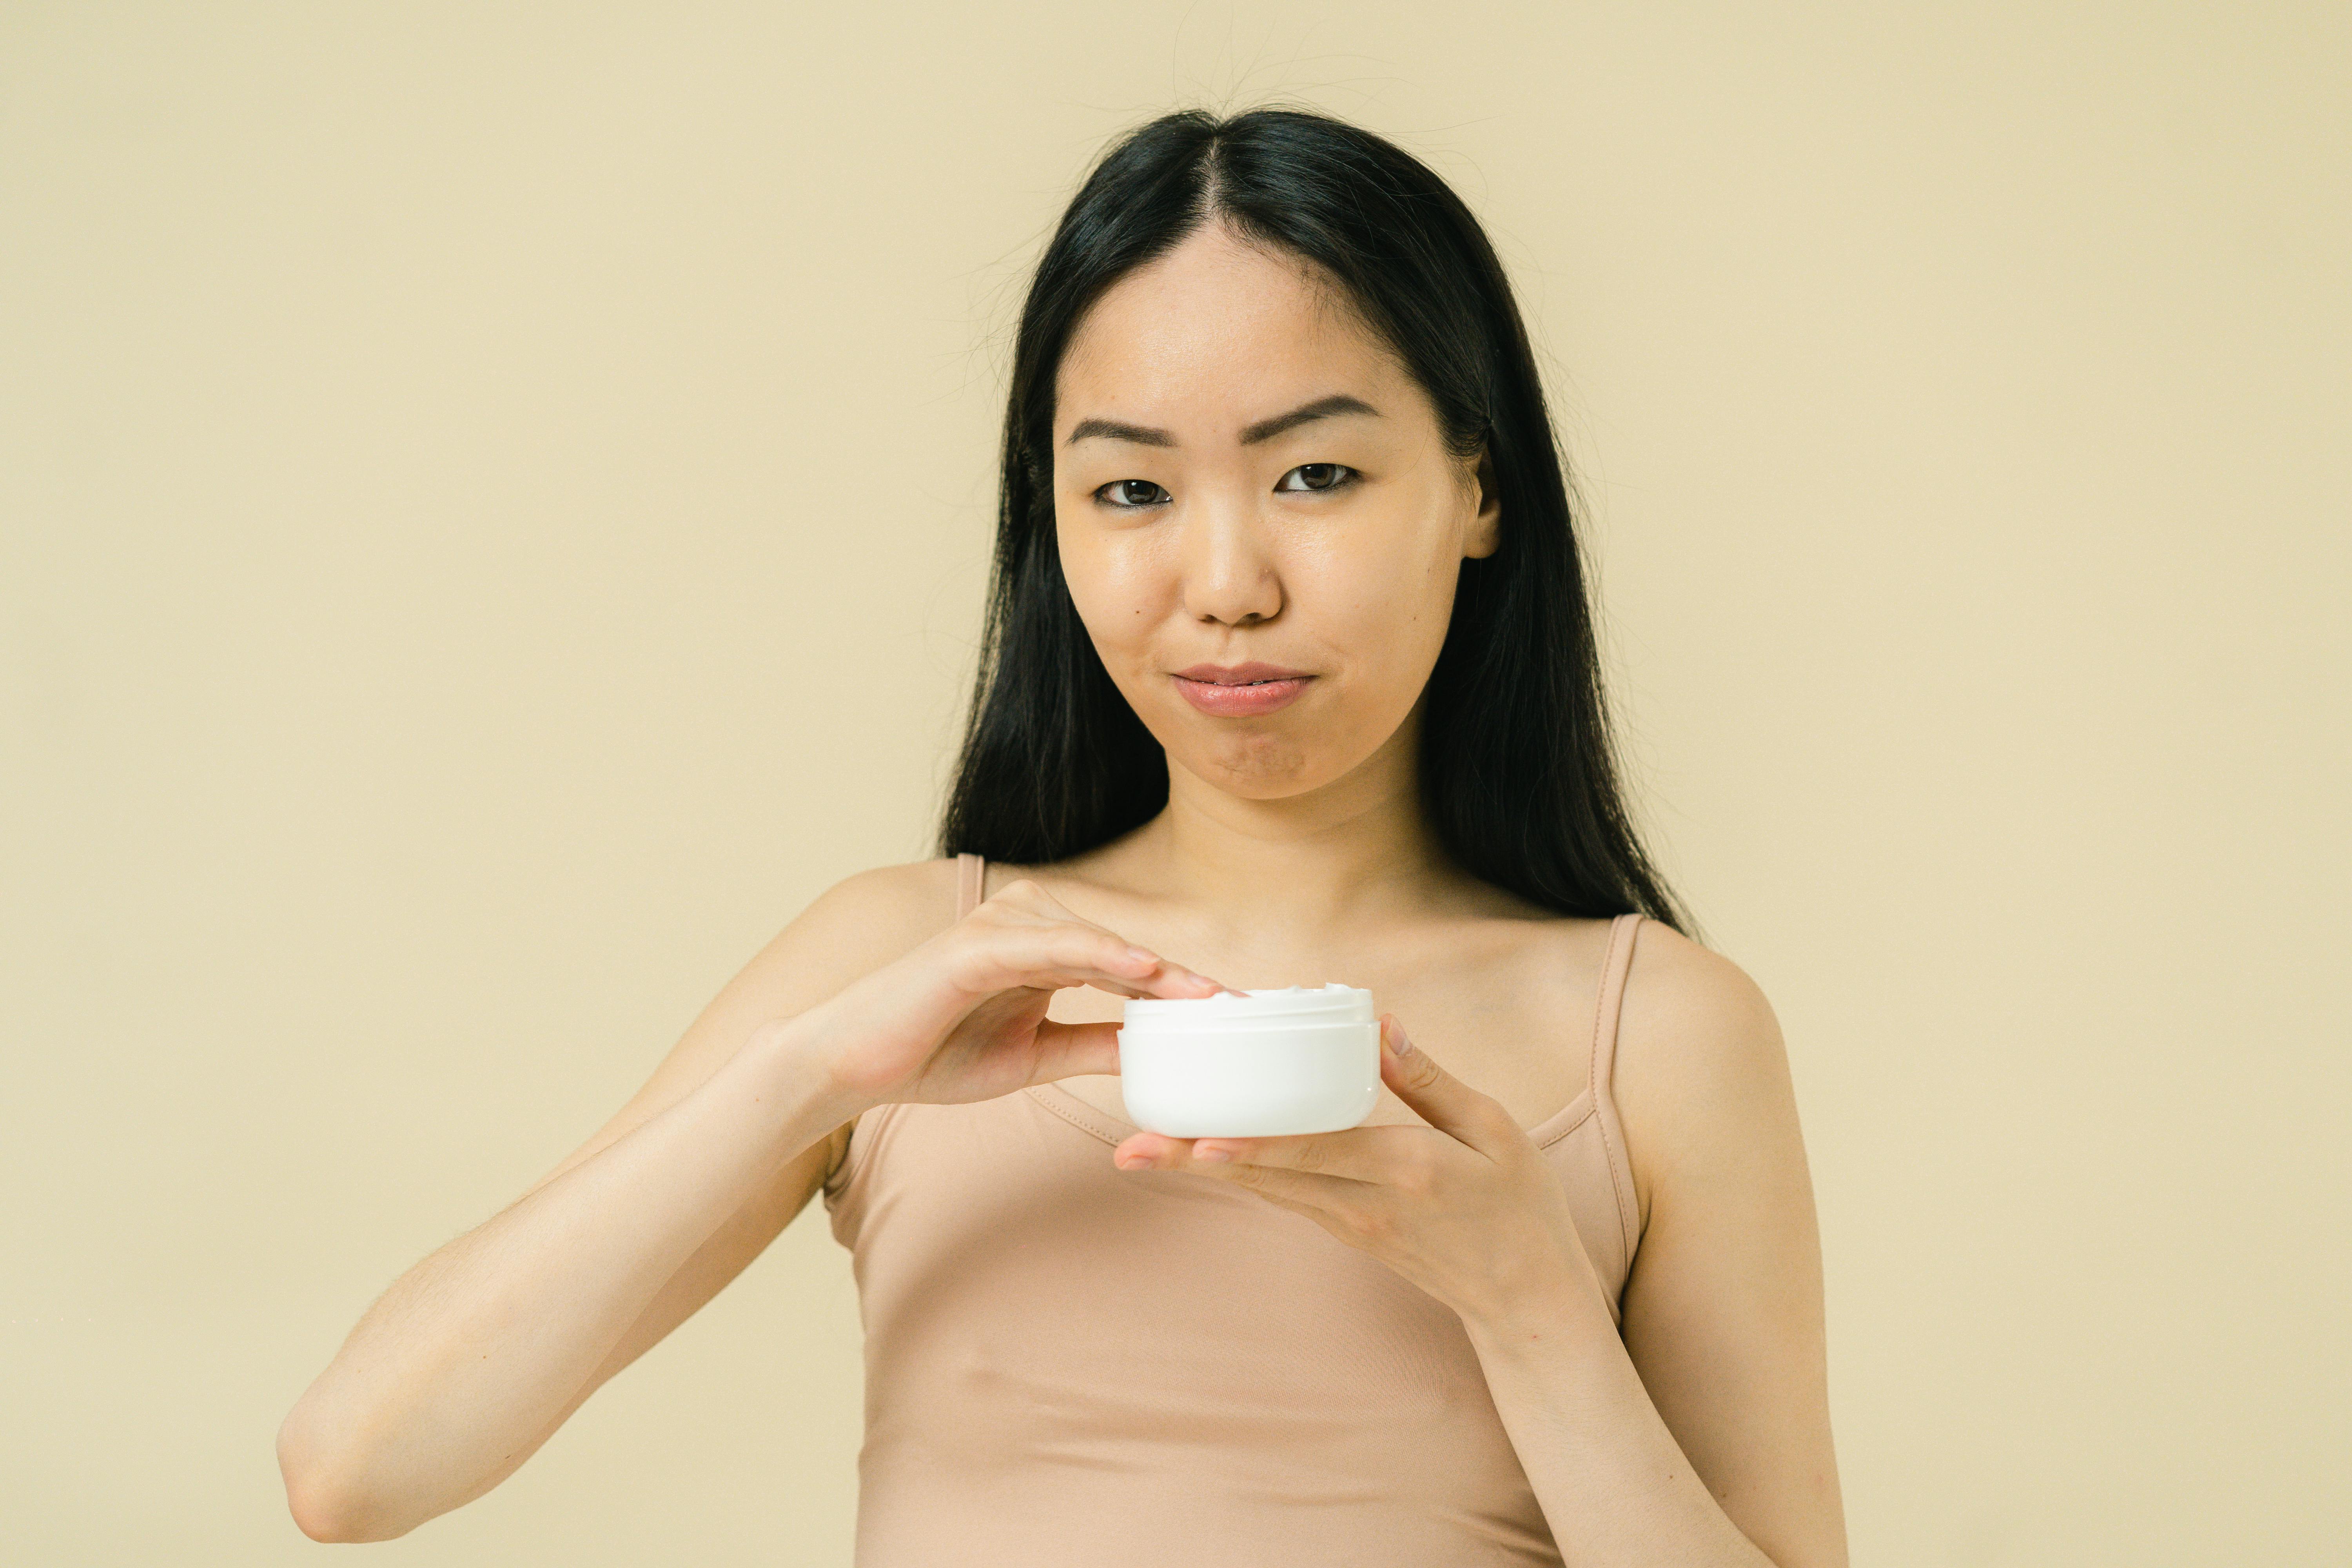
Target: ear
{"points": [[1484, 534]]}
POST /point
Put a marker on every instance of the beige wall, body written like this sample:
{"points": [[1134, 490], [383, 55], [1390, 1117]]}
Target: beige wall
{"points": [[492, 511]]}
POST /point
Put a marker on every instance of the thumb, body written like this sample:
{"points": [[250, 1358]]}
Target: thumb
{"points": [[1066, 1050], [1442, 1100]]}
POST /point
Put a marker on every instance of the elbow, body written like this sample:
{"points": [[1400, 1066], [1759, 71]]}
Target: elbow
{"points": [[323, 1498], [324, 1510], [319, 1515]]}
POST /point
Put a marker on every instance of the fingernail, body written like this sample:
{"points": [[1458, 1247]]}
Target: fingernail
{"points": [[1132, 1161], [1211, 1153], [1397, 1041], [1142, 956]]}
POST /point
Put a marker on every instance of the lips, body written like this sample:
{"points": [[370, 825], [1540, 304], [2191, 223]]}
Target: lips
{"points": [[1240, 690], [1241, 676]]}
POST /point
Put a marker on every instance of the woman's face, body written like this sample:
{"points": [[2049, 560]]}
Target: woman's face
{"points": [[1258, 519]]}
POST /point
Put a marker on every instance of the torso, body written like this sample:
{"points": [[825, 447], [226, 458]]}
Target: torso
{"points": [[1494, 1000]]}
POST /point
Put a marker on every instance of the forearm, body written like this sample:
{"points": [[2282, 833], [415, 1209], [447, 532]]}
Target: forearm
{"points": [[1612, 1480], [471, 1356]]}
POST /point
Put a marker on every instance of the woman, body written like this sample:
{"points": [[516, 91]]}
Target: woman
{"points": [[1290, 673]]}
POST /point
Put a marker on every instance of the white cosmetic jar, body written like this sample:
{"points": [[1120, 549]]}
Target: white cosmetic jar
{"points": [[1265, 1063]]}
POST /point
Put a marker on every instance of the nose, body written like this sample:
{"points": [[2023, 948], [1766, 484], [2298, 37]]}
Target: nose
{"points": [[1230, 576]]}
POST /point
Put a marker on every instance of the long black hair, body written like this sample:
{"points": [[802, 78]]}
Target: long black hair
{"points": [[1518, 775]]}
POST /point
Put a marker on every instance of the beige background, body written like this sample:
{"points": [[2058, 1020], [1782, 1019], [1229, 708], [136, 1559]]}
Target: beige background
{"points": [[493, 505]]}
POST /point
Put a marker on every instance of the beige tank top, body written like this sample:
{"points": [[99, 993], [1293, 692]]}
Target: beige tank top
{"points": [[1067, 1363]]}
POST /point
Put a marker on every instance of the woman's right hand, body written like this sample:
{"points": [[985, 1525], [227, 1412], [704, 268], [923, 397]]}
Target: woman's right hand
{"points": [[963, 1016]]}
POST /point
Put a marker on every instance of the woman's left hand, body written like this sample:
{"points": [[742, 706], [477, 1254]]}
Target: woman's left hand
{"points": [[1464, 1207]]}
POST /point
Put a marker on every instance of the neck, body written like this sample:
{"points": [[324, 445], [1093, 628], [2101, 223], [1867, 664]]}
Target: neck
{"points": [[1334, 858]]}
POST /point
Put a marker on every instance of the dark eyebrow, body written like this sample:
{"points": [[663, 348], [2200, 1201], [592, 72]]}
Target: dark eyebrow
{"points": [[1263, 430]]}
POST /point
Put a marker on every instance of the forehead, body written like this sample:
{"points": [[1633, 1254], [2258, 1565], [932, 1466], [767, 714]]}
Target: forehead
{"points": [[1218, 319]]}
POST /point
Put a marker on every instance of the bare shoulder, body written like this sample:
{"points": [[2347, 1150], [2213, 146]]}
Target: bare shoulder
{"points": [[847, 932], [865, 921], [1702, 1072], [852, 929]]}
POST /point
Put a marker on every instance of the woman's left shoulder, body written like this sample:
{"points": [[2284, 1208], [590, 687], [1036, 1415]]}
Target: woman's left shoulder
{"points": [[1691, 999], [1702, 1071]]}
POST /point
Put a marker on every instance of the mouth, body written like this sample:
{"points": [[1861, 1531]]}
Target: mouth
{"points": [[1240, 699], [1250, 673]]}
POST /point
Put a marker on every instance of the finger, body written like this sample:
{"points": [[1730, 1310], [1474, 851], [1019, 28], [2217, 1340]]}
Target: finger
{"points": [[1330, 1217], [1130, 993], [1142, 970], [1155, 1151], [1025, 901], [1442, 1100], [1024, 904], [1321, 1196], [1048, 980], [1055, 955], [1180, 973], [1053, 982], [1065, 1050], [1359, 1153]]}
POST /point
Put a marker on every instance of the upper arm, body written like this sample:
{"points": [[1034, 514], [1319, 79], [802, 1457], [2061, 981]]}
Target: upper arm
{"points": [[1723, 1307], [853, 928]]}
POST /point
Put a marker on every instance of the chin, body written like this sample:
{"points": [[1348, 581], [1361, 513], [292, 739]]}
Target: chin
{"points": [[1258, 767]]}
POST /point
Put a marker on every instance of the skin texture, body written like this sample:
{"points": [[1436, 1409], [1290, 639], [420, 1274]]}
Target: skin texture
{"points": [[1294, 839], [1231, 535]]}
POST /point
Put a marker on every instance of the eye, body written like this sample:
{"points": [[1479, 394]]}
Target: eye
{"points": [[1317, 476], [1132, 495]]}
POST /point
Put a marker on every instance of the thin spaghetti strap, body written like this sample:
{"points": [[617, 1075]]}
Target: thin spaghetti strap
{"points": [[971, 882], [1612, 1000], [1603, 1068]]}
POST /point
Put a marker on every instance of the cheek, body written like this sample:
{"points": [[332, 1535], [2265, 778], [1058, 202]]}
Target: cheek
{"points": [[1120, 585], [1389, 609]]}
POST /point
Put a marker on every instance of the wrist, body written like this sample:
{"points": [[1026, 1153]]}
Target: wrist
{"points": [[792, 1058], [1543, 1306]]}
